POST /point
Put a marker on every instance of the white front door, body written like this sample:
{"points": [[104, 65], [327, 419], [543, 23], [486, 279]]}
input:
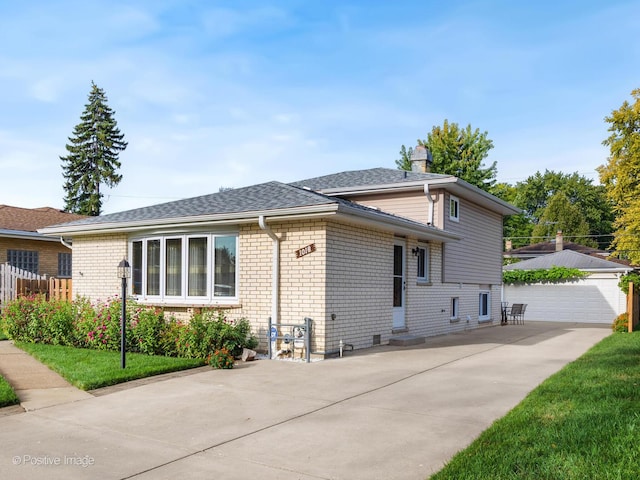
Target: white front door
{"points": [[399, 284]]}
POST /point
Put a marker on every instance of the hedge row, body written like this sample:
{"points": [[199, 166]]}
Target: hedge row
{"points": [[97, 325]]}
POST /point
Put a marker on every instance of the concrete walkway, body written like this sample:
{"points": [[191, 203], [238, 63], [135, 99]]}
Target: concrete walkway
{"points": [[384, 413], [36, 385]]}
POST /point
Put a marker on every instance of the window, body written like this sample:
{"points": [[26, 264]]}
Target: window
{"points": [[423, 264], [455, 308], [185, 268], [484, 306], [23, 259], [454, 208], [64, 265]]}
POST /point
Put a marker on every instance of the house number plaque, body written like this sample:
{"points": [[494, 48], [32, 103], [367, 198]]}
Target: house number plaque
{"points": [[305, 250]]}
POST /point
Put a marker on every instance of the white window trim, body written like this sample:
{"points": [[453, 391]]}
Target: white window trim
{"points": [[455, 308], [454, 213], [427, 264], [488, 314], [183, 298]]}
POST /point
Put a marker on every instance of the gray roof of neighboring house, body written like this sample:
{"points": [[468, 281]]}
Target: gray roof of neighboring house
{"points": [[569, 259], [364, 178]]}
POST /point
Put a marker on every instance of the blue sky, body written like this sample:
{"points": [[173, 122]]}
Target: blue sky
{"points": [[214, 94]]}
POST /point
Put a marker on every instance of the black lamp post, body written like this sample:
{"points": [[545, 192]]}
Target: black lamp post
{"points": [[124, 272]]}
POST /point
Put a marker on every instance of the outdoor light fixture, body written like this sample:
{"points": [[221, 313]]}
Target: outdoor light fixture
{"points": [[124, 272], [415, 251]]}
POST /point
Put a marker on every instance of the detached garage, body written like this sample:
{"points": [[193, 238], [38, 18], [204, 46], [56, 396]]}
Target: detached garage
{"points": [[593, 299]]}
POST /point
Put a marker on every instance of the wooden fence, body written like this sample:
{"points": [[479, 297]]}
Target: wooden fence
{"points": [[633, 306], [54, 288], [15, 282]]}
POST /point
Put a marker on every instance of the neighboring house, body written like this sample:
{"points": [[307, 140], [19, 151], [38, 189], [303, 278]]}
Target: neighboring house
{"points": [[365, 254], [23, 247], [552, 246], [593, 299]]}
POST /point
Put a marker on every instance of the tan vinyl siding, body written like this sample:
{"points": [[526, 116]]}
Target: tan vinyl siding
{"points": [[477, 257], [413, 205]]}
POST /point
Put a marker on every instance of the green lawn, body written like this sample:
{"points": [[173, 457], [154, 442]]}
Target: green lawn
{"points": [[7, 395], [89, 369], [581, 423]]}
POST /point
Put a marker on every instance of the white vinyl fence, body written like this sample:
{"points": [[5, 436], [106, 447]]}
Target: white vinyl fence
{"points": [[8, 280]]}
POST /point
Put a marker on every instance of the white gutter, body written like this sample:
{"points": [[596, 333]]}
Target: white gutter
{"points": [[275, 271], [68, 245], [431, 204]]}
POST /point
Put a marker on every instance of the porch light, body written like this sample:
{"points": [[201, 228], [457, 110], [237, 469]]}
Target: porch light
{"points": [[124, 272]]}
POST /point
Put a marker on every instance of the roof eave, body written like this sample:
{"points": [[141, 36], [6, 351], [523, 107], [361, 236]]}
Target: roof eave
{"points": [[190, 222], [25, 235], [398, 225], [450, 183]]}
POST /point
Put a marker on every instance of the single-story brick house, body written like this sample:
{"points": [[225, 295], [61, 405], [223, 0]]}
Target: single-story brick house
{"points": [[23, 247], [365, 254]]}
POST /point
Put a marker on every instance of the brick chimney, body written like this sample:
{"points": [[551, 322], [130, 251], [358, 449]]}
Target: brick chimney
{"points": [[559, 241], [421, 159]]}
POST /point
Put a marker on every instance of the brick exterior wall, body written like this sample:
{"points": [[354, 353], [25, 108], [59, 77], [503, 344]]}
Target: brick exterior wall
{"points": [[95, 265], [47, 253], [359, 285], [302, 280], [345, 285]]}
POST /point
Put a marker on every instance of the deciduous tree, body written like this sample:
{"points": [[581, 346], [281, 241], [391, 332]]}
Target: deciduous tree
{"points": [[621, 176], [457, 151]]}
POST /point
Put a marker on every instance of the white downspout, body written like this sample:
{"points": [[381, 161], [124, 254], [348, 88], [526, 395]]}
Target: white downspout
{"points": [[431, 205], [68, 245], [275, 276]]}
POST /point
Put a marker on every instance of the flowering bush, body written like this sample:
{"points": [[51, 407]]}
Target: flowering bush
{"points": [[621, 323], [98, 326], [221, 359], [34, 319]]}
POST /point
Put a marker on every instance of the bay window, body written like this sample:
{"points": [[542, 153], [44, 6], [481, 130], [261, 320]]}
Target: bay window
{"points": [[199, 268]]}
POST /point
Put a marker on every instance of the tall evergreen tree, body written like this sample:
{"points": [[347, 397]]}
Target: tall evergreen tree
{"points": [[92, 157]]}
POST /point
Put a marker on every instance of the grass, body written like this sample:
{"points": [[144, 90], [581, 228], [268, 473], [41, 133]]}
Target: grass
{"points": [[3, 336], [7, 395], [583, 422], [88, 369]]}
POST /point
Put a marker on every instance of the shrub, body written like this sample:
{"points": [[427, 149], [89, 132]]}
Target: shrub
{"points": [[629, 277], [33, 319], [542, 275], [621, 323], [98, 325], [221, 359]]}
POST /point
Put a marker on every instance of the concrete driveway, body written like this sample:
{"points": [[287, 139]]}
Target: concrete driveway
{"points": [[385, 413]]}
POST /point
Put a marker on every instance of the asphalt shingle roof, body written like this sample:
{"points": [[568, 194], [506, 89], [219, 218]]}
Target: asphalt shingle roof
{"points": [[31, 219], [364, 178], [265, 196], [566, 258]]}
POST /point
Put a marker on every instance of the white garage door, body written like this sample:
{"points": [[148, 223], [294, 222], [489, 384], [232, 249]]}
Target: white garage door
{"points": [[595, 299]]}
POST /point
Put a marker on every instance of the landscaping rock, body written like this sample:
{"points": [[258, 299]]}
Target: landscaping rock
{"points": [[248, 355]]}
